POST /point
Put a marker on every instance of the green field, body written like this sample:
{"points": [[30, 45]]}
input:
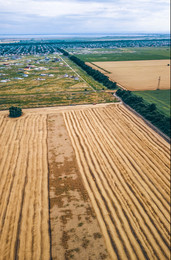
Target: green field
{"points": [[161, 98], [124, 54], [45, 83], [95, 84]]}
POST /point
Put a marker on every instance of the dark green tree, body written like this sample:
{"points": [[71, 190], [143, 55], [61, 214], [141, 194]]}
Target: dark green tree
{"points": [[15, 111]]}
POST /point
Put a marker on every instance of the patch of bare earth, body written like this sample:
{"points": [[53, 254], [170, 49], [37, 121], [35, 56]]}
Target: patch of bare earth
{"points": [[75, 232]]}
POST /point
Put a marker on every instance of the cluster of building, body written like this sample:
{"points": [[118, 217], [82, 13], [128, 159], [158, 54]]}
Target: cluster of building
{"points": [[26, 68]]}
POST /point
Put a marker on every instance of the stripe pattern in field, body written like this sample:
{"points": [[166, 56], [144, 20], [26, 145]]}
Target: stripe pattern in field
{"points": [[24, 228], [125, 168]]}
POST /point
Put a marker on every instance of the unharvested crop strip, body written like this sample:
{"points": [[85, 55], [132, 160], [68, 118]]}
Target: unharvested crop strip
{"points": [[9, 132], [24, 189], [8, 170], [26, 241], [1, 120], [45, 213], [22, 180], [13, 205]]}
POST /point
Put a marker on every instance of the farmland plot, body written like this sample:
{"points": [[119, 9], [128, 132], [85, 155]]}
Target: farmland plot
{"points": [[137, 75], [125, 168], [24, 211]]}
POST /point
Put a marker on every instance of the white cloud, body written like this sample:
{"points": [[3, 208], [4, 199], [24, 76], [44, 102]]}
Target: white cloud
{"points": [[58, 8], [92, 14], [49, 8]]}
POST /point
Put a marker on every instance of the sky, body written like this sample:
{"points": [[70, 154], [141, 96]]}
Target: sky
{"points": [[84, 16]]}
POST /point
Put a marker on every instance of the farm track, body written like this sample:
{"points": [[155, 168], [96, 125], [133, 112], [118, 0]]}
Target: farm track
{"points": [[125, 168], [24, 188]]}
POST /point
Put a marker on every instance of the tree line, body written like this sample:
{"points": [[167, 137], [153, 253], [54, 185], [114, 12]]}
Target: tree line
{"points": [[97, 75], [148, 111]]}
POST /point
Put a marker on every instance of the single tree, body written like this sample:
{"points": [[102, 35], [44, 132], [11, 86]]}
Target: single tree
{"points": [[15, 111]]}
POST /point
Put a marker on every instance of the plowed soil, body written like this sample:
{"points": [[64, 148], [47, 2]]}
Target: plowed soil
{"points": [[137, 75]]}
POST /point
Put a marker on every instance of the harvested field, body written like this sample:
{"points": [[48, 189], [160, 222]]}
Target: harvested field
{"points": [[33, 146], [104, 163], [125, 168], [137, 75], [24, 213]]}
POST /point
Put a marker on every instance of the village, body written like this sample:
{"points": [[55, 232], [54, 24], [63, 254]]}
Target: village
{"points": [[24, 68]]}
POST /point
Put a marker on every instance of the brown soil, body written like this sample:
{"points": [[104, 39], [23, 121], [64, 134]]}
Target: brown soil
{"points": [[75, 233]]}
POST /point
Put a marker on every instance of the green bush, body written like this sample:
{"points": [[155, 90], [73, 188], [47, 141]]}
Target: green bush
{"points": [[15, 111]]}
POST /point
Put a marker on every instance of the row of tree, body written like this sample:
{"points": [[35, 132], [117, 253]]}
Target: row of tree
{"points": [[97, 75], [148, 111], [65, 53]]}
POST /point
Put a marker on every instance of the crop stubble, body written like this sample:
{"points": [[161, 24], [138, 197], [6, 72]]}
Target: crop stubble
{"points": [[137, 75], [125, 168], [24, 188]]}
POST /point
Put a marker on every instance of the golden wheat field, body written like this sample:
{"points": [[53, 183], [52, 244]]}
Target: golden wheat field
{"points": [[137, 75], [24, 188], [124, 168]]}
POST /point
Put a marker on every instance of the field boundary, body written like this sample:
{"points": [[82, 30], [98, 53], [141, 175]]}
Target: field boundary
{"points": [[76, 73], [108, 72], [157, 130], [49, 222]]}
